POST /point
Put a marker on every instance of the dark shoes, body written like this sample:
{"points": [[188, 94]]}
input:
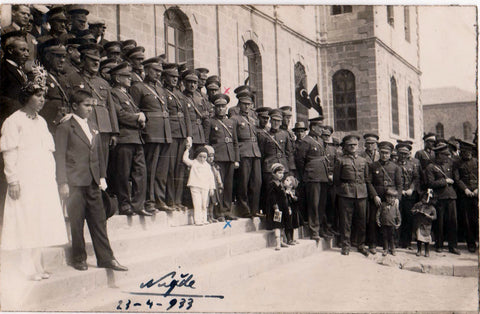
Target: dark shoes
{"points": [[144, 212], [454, 251], [363, 251], [345, 251], [113, 264], [230, 218], [80, 265], [127, 212]]}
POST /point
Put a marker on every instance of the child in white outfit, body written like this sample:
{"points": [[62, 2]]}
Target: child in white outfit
{"points": [[200, 181]]}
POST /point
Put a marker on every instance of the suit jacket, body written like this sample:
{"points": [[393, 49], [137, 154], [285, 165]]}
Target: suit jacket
{"points": [[224, 141], [127, 110], [436, 175], [311, 159], [103, 114], [247, 136], [154, 106], [383, 176], [11, 83], [350, 176], [78, 161]]}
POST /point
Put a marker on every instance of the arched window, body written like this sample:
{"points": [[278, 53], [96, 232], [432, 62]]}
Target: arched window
{"points": [[344, 101], [439, 130], [178, 37], [253, 70], [394, 96], [467, 131], [411, 115]]}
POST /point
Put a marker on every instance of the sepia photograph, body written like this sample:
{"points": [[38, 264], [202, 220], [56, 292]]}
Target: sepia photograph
{"points": [[167, 157]]}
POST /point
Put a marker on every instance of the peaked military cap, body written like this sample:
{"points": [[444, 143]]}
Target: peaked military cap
{"points": [[213, 82], [242, 88], [94, 23], [350, 139], [276, 114], [182, 66], [129, 44], [441, 148], [286, 110], [371, 137], [136, 52], [115, 46], [56, 13], [385, 145], [77, 9], [403, 147], [466, 146], [220, 99], [263, 111], [202, 73], [53, 45], [316, 120], [123, 68], [170, 69], [91, 50], [429, 137], [245, 97], [76, 41], [108, 63], [189, 75], [154, 63]]}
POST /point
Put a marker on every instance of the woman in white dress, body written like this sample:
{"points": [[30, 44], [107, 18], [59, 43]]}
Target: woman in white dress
{"points": [[33, 217]]}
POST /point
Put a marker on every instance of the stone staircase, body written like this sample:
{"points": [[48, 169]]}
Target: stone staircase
{"points": [[215, 255]]}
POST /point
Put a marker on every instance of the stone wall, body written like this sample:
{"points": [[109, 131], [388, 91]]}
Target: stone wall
{"points": [[452, 116]]}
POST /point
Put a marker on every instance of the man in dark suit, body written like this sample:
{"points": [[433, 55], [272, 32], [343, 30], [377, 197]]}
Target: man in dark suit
{"points": [[350, 176], [12, 75], [157, 134], [439, 177], [313, 166], [250, 172], [80, 175], [222, 136]]}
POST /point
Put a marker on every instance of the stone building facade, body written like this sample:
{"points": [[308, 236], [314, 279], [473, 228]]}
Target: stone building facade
{"points": [[353, 54], [450, 112]]}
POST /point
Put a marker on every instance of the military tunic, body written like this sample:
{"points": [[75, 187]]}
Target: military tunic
{"points": [[196, 112], [157, 135], [129, 159], [436, 175], [250, 173], [56, 101], [350, 177], [222, 136], [466, 176]]}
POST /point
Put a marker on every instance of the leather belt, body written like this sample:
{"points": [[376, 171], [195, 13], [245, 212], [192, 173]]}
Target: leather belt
{"points": [[249, 139], [161, 114], [178, 115]]}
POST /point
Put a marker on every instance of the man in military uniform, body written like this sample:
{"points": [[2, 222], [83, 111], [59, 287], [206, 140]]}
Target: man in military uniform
{"points": [[195, 108], [213, 86], [157, 134], [466, 177], [350, 176], [128, 44], [181, 127], [129, 159], [222, 136], [97, 28], [104, 115], [244, 90], [313, 166], [78, 17], [73, 61], [287, 117], [384, 174], [56, 100], [410, 186], [426, 156], [136, 56], [105, 67], [439, 177], [113, 50], [370, 153], [330, 155], [249, 173], [57, 20], [262, 130], [206, 104], [276, 146]]}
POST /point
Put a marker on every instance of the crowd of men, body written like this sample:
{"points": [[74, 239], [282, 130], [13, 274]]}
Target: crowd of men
{"points": [[147, 110]]}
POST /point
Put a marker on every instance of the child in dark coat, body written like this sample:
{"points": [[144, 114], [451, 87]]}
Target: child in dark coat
{"points": [[423, 214], [277, 204], [293, 219], [389, 219]]}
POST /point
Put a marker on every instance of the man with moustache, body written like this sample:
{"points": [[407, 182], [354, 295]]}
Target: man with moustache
{"points": [[135, 57]]}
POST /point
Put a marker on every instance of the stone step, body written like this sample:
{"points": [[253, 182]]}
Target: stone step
{"points": [[126, 232], [68, 282], [210, 279]]}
